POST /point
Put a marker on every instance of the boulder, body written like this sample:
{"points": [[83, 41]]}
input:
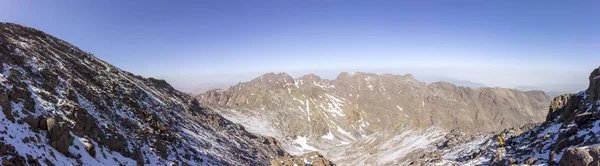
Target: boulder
{"points": [[162, 149], [85, 123], [43, 124], [4, 97], [568, 112], [7, 110], [531, 161], [59, 135], [71, 95], [498, 156], [575, 157], [595, 152], [582, 119], [89, 147], [511, 160], [33, 121], [557, 106]]}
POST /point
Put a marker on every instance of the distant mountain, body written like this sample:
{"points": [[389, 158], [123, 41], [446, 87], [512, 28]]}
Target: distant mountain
{"points": [[465, 83], [209, 86], [369, 119], [63, 106]]}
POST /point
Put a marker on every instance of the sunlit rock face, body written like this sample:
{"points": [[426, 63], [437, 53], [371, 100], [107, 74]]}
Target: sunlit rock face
{"points": [[365, 118]]}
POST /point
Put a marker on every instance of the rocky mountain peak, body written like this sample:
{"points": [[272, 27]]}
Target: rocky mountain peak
{"points": [[310, 79], [359, 111], [272, 80]]}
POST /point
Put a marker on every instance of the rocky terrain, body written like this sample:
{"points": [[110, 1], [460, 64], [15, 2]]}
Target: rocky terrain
{"points": [[63, 106], [370, 119], [568, 137]]}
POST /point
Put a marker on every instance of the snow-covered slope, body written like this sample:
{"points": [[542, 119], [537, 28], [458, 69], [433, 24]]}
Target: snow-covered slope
{"points": [[63, 106]]}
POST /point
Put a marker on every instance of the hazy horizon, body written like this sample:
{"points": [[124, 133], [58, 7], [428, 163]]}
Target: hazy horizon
{"points": [[541, 80], [192, 44]]}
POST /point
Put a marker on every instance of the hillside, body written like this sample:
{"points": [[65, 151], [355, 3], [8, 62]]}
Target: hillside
{"points": [[63, 106]]}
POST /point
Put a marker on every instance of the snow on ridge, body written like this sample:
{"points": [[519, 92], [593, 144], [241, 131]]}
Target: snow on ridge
{"points": [[308, 109], [334, 106], [407, 142], [301, 143], [400, 108], [323, 86], [328, 136]]}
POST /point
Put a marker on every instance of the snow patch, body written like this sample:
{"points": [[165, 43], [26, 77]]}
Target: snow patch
{"points": [[301, 143], [329, 136], [400, 108]]}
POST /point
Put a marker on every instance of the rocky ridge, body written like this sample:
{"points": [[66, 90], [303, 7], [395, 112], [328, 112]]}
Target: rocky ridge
{"points": [[569, 136], [364, 118], [63, 106]]}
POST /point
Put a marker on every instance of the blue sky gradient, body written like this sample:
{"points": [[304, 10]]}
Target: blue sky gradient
{"points": [[195, 41]]}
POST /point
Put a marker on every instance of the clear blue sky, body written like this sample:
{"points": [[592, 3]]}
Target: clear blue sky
{"points": [[194, 38]]}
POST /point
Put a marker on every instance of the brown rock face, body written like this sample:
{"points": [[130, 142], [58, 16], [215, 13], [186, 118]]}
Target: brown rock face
{"points": [[59, 135], [354, 105], [531, 161], [595, 152], [84, 123], [557, 106], [89, 147], [575, 157]]}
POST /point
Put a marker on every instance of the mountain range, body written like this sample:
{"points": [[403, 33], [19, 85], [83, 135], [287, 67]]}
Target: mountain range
{"points": [[365, 112], [63, 106]]}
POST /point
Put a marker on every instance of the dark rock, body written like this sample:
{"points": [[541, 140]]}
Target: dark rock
{"points": [[582, 119], [71, 95], [572, 105], [575, 157], [530, 161], [43, 124], [89, 147], [34, 122], [557, 106], [84, 123], [594, 88], [595, 152], [4, 98], [7, 110], [162, 149], [59, 135]]}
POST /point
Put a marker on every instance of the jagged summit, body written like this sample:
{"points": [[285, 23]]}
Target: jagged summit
{"points": [[62, 106], [359, 112]]}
